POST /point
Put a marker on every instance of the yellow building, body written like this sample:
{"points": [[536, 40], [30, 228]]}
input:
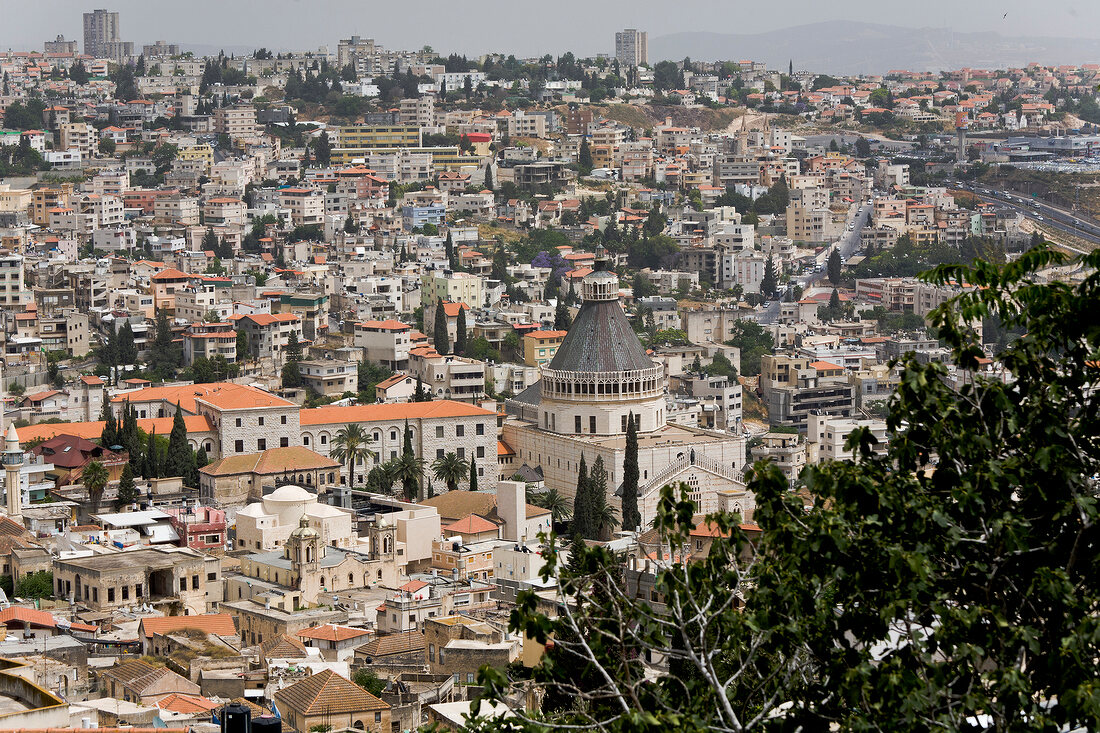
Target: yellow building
{"points": [[443, 158], [15, 199], [539, 347], [202, 153], [452, 287], [379, 136]]}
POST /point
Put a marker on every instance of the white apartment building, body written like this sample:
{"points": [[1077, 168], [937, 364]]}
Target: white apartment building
{"points": [[385, 342], [306, 205], [632, 47]]}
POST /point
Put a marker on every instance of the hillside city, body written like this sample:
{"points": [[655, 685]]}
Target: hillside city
{"points": [[323, 370]]}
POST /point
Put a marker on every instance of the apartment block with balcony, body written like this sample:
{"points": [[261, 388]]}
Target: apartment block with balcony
{"points": [[329, 377], [207, 340]]}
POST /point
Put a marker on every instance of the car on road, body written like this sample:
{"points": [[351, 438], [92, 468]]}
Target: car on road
{"points": [[1040, 218]]}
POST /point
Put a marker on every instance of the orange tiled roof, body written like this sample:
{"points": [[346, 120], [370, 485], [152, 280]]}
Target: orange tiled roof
{"points": [[92, 430], [376, 413], [470, 524], [210, 623], [332, 632], [225, 395]]}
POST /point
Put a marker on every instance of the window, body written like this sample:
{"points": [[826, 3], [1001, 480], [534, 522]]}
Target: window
{"points": [[125, 592], [481, 451], [480, 429], [238, 446], [283, 419], [284, 442], [324, 440], [592, 423], [624, 423], [261, 444], [211, 576], [183, 583], [439, 452], [260, 420], [439, 431], [137, 591], [377, 717], [461, 452], [110, 595], [194, 582], [237, 422], [431, 652], [576, 423], [460, 430]]}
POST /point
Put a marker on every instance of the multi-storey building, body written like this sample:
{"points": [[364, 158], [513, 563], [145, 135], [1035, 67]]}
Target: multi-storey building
{"points": [[632, 47]]}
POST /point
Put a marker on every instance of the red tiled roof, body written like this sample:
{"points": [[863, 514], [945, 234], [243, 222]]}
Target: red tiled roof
{"points": [[332, 632]]}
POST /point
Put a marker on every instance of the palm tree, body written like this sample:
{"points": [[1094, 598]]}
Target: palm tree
{"points": [[450, 469], [559, 506], [95, 478], [407, 470], [350, 445], [607, 520]]}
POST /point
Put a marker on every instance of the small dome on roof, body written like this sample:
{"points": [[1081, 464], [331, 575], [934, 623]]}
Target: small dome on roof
{"points": [[304, 531]]}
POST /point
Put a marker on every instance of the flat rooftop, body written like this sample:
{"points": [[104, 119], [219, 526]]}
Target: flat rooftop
{"points": [[151, 559]]}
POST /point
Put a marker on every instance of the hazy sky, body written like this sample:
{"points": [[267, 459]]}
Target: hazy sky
{"points": [[520, 27]]}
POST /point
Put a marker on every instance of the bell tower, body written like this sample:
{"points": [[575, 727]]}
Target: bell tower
{"points": [[13, 461]]}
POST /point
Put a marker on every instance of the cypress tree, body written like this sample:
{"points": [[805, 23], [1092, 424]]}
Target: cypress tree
{"points": [[582, 519], [442, 342], [178, 460], [473, 474], [460, 332], [597, 497], [109, 436], [449, 247], [489, 177], [127, 492], [151, 465], [128, 435], [408, 483], [631, 516]]}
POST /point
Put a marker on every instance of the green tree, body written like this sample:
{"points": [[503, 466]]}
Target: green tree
{"points": [[460, 332], [109, 436], [584, 158], [473, 474], [369, 681], [440, 337], [178, 461], [293, 350], [242, 346], [863, 147], [95, 478], [323, 150], [833, 267], [770, 282], [584, 524], [632, 518], [351, 445], [562, 319], [79, 73], [488, 173], [127, 491], [450, 469], [753, 341], [165, 356], [152, 462], [38, 584]]}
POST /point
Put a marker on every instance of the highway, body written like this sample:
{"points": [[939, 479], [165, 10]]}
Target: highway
{"points": [[849, 243], [1043, 213]]}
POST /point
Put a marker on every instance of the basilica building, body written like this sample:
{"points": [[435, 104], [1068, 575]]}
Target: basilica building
{"points": [[600, 376]]}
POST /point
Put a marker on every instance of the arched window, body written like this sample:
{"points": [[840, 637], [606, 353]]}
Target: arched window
{"points": [[305, 440], [323, 582], [358, 725], [351, 579], [366, 579]]}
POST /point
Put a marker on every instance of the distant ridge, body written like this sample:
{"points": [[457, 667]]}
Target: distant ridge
{"points": [[855, 47]]}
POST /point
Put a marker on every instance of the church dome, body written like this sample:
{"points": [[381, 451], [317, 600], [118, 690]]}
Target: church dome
{"points": [[290, 493], [601, 339]]}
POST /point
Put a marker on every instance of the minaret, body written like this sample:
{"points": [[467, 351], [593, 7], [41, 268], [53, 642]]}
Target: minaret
{"points": [[13, 461]]}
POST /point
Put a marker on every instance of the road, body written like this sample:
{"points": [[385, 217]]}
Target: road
{"points": [[849, 243], [1045, 214]]}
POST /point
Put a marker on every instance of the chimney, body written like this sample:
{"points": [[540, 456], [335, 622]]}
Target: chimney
{"points": [[512, 507]]}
